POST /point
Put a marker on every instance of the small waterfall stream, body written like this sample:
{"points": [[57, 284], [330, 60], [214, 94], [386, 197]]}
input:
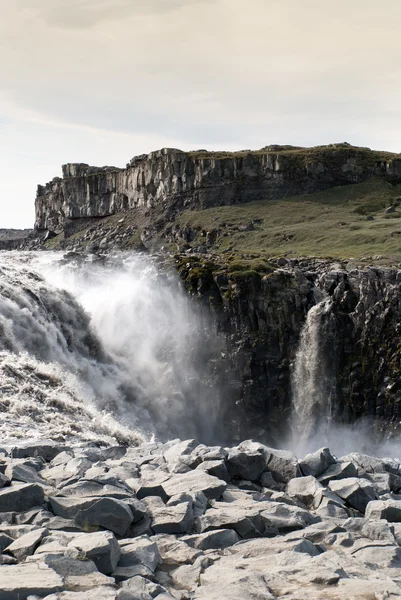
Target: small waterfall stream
{"points": [[313, 378]]}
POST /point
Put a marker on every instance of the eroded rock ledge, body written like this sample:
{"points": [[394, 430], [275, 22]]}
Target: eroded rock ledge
{"points": [[186, 521], [175, 180]]}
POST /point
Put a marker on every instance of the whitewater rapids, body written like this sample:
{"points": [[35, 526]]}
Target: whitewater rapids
{"points": [[97, 350]]}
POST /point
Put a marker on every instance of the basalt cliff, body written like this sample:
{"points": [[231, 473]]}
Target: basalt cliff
{"points": [[175, 180]]}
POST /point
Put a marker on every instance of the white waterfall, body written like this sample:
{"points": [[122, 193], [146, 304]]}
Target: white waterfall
{"points": [[313, 378]]}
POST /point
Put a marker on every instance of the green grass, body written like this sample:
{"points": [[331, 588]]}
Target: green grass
{"points": [[333, 223]]}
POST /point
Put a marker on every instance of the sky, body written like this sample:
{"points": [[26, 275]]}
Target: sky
{"points": [[99, 81]]}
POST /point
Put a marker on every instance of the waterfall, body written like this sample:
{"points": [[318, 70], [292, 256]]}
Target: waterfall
{"points": [[94, 349], [313, 379]]}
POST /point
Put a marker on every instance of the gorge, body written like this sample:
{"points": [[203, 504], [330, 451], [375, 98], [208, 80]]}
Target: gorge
{"points": [[155, 318]]}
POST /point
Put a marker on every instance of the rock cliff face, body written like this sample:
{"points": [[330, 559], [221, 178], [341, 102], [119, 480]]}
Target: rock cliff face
{"points": [[262, 314], [174, 180]]}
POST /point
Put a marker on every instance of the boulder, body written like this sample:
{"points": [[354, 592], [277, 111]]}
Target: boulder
{"points": [[101, 547], [244, 463], [217, 539], [25, 473], [4, 481], [342, 470], [390, 510], [138, 555], [86, 489], [195, 481], [173, 519], [287, 518], [245, 519], [106, 513], [283, 465], [17, 582], [26, 544], [47, 449], [174, 551], [306, 489], [216, 468], [21, 497], [356, 492], [317, 462]]}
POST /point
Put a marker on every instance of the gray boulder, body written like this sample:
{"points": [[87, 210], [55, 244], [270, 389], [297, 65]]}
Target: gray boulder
{"points": [[21, 497], [17, 582], [101, 547], [245, 519], [342, 470], [106, 513], [306, 489], [173, 519], [217, 539], [195, 481], [244, 463], [390, 510], [26, 545], [47, 449], [4, 481], [216, 468], [139, 556], [317, 462], [357, 493]]}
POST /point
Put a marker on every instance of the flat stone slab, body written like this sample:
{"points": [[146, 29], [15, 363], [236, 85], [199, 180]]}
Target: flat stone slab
{"points": [[17, 582]]}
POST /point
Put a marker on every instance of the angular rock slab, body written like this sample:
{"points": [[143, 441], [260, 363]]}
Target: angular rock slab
{"points": [[195, 481], [101, 547], [21, 497], [390, 510], [17, 582], [356, 492], [105, 513]]}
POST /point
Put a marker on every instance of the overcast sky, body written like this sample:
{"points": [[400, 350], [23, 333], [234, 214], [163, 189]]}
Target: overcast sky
{"points": [[99, 81]]}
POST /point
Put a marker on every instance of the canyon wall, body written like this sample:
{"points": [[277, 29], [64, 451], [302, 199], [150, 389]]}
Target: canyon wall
{"points": [[261, 315], [175, 180]]}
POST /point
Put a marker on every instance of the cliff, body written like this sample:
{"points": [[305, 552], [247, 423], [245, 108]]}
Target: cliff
{"points": [[261, 308], [174, 180]]}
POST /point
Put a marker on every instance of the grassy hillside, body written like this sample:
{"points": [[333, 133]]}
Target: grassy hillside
{"points": [[343, 222]]}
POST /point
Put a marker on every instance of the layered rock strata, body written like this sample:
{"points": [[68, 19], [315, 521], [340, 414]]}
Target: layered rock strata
{"points": [[174, 180]]}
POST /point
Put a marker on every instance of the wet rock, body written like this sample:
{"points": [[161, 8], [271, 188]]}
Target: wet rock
{"points": [[47, 449], [246, 520]]}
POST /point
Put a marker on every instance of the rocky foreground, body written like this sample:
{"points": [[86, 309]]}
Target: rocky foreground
{"points": [[186, 521]]}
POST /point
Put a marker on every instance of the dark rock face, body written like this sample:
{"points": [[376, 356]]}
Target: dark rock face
{"points": [[175, 180], [261, 316]]}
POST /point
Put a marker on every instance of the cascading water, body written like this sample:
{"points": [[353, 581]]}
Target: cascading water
{"points": [[98, 350], [313, 379]]}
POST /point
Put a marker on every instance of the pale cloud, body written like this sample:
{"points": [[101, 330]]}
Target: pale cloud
{"points": [[202, 73]]}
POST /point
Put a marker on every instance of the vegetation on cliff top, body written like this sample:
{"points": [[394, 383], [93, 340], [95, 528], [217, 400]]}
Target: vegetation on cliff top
{"points": [[347, 221]]}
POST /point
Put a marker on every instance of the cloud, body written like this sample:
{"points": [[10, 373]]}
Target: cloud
{"points": [[80, 14], [200, 73]]}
